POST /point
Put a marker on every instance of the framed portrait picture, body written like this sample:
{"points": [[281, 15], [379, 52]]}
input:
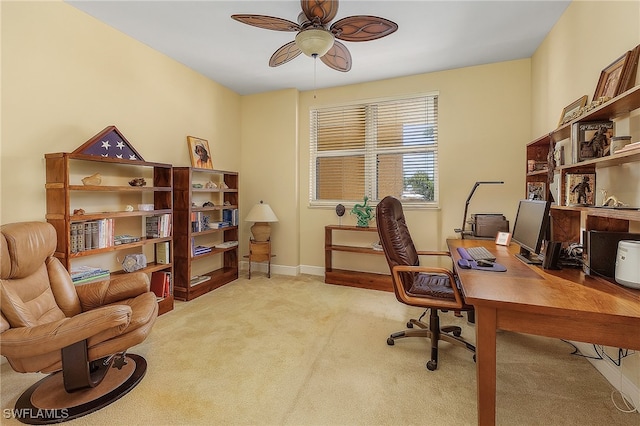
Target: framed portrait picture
{"points": [[199, 152], [570, 111], [610, 82]]}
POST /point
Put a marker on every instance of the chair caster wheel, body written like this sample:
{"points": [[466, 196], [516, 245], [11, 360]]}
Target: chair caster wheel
{"points": [[391, 342], [432, 365], [409, 325]]}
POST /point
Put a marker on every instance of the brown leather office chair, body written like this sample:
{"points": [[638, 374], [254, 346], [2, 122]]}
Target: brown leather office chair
{"points": [[77, 333], [426, 287]]}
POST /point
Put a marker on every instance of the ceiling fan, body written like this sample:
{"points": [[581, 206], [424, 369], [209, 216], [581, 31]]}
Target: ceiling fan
{"points": [[315, 39]]}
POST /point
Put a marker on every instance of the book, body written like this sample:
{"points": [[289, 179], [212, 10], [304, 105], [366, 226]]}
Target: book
{"points": [[162, 253], [591, 139], [158, 283], [580, 189]]}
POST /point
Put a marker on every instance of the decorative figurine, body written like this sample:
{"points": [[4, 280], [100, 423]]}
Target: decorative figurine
{"points": [[78, 212], [611, 201], [137, 182], [94, 179], [364, 213], [210, 185], [128, 208]]}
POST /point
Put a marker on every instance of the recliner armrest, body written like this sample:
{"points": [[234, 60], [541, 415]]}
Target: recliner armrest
{"points": [[33, 341], [118, 288]]}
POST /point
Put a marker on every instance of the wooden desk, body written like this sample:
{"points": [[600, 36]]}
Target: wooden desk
{"points": [[563, 304]]}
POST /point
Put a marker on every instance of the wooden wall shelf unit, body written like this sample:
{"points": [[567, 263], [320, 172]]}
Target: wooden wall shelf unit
{"points": [[352, 278], [66, 193], [188, 206], [569, 220]]}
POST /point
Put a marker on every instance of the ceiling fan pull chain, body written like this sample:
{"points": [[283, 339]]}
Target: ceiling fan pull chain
{"points": [[315, 63]]}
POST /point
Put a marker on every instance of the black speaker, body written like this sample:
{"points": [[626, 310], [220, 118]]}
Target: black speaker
{"points": [[552, 255]]}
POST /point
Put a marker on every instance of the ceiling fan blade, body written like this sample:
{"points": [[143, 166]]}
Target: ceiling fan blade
{"points": [[267, 22], [362, 28], [338, 57], [323, 10], [283, 55]]}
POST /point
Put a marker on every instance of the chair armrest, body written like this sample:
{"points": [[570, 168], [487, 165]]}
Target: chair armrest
{"points": [[420, 301], [118, 288], [433, 253], [33, 341]]}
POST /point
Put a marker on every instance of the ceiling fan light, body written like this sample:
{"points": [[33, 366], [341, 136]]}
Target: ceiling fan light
{"points": [[314, 42]]}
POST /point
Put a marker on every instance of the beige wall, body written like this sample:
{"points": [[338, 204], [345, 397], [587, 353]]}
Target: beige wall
{"points": [[483, 128], [567, 66], [269, 165], [66, 76]]}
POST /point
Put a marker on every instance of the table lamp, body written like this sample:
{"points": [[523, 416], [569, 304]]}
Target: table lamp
{"points": [[261, 214]]}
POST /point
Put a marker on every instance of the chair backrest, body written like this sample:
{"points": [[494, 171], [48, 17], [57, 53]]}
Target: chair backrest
{"points": [[395, 238], [34, 286]]}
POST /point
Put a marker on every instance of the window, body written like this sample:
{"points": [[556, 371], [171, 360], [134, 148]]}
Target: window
{"points": [[387, 147]]}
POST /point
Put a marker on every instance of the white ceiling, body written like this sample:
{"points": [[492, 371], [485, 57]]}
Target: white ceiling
{"points": [[432, 36]]}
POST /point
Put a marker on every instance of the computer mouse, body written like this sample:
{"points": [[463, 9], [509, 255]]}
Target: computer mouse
{"points": [[464, 263], [485, 263]]}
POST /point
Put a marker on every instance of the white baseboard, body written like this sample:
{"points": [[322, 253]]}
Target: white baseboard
{"points": [[611, 372]]}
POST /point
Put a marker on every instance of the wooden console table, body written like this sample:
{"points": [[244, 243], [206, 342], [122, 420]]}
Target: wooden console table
{"points": [[352, 278]]}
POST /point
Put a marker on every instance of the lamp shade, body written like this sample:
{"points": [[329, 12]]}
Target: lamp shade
{"points": [[314, 42], [261, 212]]}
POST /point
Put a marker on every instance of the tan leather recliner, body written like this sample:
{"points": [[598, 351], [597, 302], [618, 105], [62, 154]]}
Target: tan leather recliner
{"points": [[49, 325]]}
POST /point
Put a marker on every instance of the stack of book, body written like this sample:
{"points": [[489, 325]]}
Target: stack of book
{"points": [[197, 250], [90, 235], [158, 226], [86, 274]]}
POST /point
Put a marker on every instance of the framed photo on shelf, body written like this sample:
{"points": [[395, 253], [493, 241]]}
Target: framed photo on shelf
{"points": [[570, 111], [199, 153], [536, 191], [503, 238], [611, 77], [591, 139], [580, 189]]}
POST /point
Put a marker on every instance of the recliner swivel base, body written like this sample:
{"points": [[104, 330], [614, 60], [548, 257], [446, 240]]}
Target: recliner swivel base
{"points": [[46, 402]]}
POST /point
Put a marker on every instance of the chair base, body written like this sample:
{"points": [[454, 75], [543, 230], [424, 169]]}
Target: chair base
{"points": [[47, 402], [435, 333]]}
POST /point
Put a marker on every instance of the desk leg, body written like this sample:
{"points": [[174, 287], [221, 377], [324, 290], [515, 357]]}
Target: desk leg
{"points": [[486, 364]]}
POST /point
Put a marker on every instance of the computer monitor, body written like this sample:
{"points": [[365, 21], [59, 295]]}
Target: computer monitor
{"points": [[530, 228]]}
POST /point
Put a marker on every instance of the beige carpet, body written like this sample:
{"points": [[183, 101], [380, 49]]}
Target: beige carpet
{"points": [[296, 351]]}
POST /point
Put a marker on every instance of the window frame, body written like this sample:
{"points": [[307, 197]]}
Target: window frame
{"points": [[370, 153]]}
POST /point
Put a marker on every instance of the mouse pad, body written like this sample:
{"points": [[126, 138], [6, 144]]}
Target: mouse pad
{"points": [[471, 264]]}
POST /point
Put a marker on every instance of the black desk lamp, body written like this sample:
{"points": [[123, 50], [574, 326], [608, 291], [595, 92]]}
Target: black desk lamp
{"points": [[466, 206]]}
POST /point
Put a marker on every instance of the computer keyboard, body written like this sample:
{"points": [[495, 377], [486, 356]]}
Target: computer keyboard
{"points": [[480, 253]]}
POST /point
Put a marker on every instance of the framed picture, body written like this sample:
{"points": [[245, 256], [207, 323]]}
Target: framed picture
{"points": [[629, 73], [570, 111], [536, 191], [592, 139], [503, 238], [610, 80], [199, 153], [580, 189]]}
